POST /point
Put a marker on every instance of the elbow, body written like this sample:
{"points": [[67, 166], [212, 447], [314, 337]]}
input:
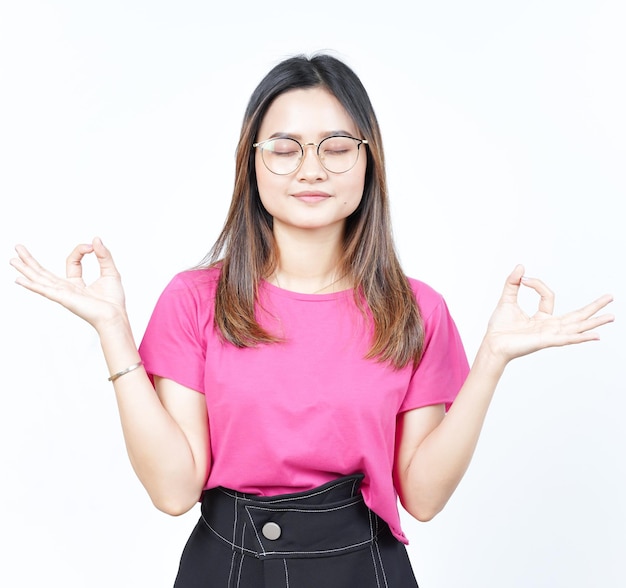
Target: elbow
{"points": [[173, 510], [175, 499], [174, 506], [424, 514], [422, 510]]}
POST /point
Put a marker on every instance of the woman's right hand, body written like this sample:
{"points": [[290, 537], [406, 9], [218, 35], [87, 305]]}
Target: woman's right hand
{"points": [[101, 304]]}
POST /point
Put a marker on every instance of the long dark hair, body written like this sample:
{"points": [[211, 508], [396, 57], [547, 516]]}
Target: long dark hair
{"points": [[246, 249]]}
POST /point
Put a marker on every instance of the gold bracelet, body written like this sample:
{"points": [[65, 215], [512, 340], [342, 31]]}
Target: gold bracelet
{"points": [[130, 368]]}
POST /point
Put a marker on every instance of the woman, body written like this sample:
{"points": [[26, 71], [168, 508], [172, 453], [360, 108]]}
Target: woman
{"points": [[302, 382]]}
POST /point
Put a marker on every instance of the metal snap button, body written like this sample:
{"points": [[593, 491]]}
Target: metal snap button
{"points": [[271, 531]]}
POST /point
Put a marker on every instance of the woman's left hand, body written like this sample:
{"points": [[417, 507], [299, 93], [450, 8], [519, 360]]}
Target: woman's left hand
{"points": [[512, 333]]}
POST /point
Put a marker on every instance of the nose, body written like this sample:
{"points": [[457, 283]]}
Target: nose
{"points": [[311, 167]]}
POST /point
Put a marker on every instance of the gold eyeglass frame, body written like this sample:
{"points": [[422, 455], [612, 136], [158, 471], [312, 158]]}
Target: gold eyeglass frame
{"points": [[317, 152]]}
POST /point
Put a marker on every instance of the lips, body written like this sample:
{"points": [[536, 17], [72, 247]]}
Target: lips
{"points": [[312, 197]]}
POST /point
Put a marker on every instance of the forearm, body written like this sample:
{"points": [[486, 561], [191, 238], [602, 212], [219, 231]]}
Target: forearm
{"points": [[435, 466], [158, 448]]}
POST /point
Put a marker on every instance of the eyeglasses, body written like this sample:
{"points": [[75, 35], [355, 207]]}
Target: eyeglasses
{"points": [[284, 155]]}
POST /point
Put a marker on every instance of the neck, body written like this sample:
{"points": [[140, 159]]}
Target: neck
{"points": [[308, 262]]}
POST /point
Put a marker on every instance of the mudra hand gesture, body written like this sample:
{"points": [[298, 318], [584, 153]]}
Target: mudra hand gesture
{"points": [[99, 303], [512, 333]]}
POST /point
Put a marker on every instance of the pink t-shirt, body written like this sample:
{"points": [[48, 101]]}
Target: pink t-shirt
{"points": [[287, 417]]}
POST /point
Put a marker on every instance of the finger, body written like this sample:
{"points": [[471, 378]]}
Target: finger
{"points": [[29, 267], [589, 310], [546, 296], [512, 284], [576, 338], [567, 332], [34, 277], [105, 259], [584, 331], [73, 263], [26, 258], [595, 322]]}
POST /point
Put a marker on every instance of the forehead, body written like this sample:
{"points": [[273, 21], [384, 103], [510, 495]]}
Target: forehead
{"points": [[309, 113]]}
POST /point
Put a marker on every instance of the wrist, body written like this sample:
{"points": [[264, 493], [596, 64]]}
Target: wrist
{"points": [[118, 345], [490, 358], [115, 321]]}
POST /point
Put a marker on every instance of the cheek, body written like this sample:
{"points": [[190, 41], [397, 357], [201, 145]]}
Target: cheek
{"points": [[265, 182], [271, 194], [354, 192], [351, 200]]}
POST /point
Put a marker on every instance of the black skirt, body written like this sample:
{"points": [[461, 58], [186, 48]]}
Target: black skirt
{"points": [[323, 538]]}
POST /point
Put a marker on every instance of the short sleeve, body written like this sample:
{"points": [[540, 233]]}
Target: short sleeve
{"points": [[174, 343], [443, 366]]}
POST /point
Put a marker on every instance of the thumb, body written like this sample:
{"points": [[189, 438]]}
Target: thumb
{"points": [[512, 285], [105, 259]]}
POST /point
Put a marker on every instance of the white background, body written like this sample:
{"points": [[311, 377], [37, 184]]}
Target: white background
{"points": [[504, 127]]}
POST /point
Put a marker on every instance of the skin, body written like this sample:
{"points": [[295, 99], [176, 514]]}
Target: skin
{"points": [[309, 206], [166, 433], [309, 116]]}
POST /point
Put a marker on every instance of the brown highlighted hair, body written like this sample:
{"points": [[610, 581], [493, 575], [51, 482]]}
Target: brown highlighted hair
{"points": [[246, 250]]}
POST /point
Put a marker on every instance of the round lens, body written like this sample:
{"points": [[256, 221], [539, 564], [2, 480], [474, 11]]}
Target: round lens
{"points": [[338, 154], [281, 156]]}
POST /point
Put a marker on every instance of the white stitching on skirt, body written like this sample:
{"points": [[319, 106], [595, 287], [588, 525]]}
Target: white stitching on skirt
{"points": [[265, 552], [286, 574], [380, 559], [255, 532], [290, 499], [374, 564], [235, 518], [241, 561], [233, 545], [253, 552], [369, 516], [382, 567], [334, 508], [232, 563], [335, 550]]}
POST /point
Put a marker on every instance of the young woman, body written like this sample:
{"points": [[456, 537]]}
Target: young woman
{"points": [[297, 383]]}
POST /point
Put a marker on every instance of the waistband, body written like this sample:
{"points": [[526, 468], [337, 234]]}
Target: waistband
{"points": [[328, 520]]}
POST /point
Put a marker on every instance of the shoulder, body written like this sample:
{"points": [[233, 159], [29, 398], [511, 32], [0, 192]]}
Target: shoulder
{"points": [[442, 342], [191, 291], [200, 281], [428, 299]]}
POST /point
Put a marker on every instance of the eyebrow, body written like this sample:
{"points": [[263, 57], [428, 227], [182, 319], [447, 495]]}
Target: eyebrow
{"points": [[337, 133]]}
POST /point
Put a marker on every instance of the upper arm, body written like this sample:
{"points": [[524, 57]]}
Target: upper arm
{"points": [[188, 409], [413, 426]]}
